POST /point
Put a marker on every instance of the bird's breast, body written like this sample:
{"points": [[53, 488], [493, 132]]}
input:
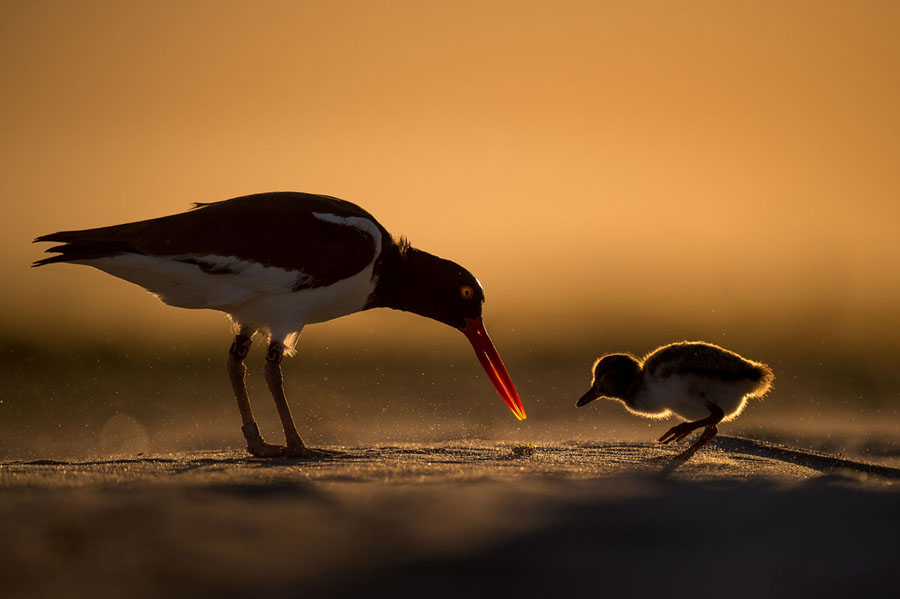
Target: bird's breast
{"points": [[677, 394]]}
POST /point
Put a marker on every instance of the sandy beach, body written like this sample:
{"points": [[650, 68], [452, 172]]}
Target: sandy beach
{"points": [[454, 519]]}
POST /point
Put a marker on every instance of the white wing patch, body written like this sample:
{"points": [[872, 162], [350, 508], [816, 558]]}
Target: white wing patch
{"points": [[363, 224]]}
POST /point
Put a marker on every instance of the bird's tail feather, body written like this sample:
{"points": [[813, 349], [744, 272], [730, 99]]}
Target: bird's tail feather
{"points": [[764, 378], [76, 246], [74, 253]]}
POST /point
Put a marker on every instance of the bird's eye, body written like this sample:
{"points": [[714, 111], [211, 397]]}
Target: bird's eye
{"points": [[466, 292]]}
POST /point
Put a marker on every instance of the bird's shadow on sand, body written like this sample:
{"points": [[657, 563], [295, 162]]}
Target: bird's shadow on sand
{"points": [[737, 447], [190, 462]]}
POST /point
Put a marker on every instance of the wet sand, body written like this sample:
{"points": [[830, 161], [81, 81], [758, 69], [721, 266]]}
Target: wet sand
{"points": [[454, 519]]}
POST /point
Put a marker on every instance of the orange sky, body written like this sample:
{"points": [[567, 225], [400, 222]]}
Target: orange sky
{"points": [[685, 161]]}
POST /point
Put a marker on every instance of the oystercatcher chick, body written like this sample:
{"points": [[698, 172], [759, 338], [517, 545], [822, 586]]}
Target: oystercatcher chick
{"points": [[700, 382], [276, 262]]}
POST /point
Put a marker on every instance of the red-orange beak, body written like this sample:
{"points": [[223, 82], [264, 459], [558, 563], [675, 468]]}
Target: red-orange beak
{"points": [[493, 365]]}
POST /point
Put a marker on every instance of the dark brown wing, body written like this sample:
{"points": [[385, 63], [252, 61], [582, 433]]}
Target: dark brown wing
{"points": [[273, 229], [703, 359]]}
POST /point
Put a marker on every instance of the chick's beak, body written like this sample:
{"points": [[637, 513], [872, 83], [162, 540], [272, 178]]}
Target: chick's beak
{"points": [[587, 398], [493, 365]]}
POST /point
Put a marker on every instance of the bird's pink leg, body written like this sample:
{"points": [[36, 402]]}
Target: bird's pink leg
{"points": [[237, 372], [680, 431], [708, 433], [275, 380]]}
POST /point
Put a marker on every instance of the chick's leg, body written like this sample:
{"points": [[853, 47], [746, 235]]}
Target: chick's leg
{"points": [[680, 431], [708, 433]]}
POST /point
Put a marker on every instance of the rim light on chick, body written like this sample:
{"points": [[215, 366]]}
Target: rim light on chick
{"points": [[701, 383]]}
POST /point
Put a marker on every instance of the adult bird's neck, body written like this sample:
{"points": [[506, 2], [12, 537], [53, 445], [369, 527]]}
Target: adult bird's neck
{"points": [[402, 276], [418, 282]]}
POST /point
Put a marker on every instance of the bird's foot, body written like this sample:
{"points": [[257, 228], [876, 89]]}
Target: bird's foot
{"points": [[296, 449], [256, 446], [678, 432], [310, 452]]}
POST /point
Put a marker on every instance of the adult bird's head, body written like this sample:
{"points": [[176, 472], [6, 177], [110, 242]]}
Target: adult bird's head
{"points": [[442, 290]]}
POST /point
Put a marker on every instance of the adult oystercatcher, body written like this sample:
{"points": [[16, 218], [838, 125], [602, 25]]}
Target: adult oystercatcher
{"points": [[700, 382], [275, 262]]}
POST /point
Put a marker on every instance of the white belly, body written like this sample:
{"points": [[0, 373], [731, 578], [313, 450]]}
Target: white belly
{"points": [[287, 313], [689, 396], [254, 295]]}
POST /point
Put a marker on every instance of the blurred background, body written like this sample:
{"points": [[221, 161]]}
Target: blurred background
{"points": [[618, 175]]}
